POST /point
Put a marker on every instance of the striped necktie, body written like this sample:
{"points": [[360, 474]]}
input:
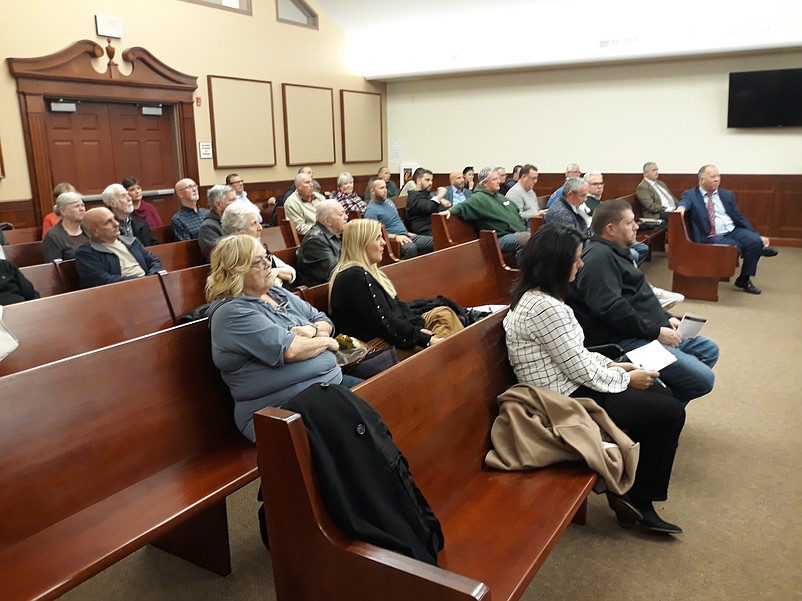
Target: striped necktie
{"points": [[711, 213]]}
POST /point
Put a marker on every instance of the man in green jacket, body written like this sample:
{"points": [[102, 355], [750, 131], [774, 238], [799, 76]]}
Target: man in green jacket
{"points": [[486, 209]]}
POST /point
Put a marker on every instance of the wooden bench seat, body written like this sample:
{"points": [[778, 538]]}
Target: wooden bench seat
{"points": [[698, 268], [471, 274], [499, 527], [25, 253], [107, 451], [179, 255]]}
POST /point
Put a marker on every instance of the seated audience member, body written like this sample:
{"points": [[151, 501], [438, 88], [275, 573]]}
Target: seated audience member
{"points": [[364, 302], [595, 180], [383, 210], [569, 210], [350, 200], [422, 204], [301, 206], [53, 218], [545, 347], [714, 218], [117, 199], [510, 181], [238, 185], [522, 194], [242, 218], [187, 221], [458, 191], [268, 344], [321, 247], [63, 239], [110, 257], [290, 191], [410, 184], [142, 209], [470, 178], [383, 173], [653, 195], [14, 287], [486, 209], [219, 196], [571, 170], [615, 305]]}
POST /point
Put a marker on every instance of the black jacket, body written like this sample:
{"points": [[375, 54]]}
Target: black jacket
{"points": [[419, 211], [364, 479], [612, 299], [317, 256], [14, 287]]}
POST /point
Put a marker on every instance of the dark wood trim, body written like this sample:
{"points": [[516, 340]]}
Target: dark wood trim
{"points": [[69, 74], [381, 126], [288, 160], [2, 168]]}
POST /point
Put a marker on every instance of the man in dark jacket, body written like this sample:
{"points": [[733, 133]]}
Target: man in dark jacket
{"points": [[614, 304], [421, 204], [14, 287], [322, 245], [111, 257]]}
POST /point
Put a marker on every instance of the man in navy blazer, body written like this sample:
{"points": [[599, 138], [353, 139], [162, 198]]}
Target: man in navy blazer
{"points": [[731, 227]]}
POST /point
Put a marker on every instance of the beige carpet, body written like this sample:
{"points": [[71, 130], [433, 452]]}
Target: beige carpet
{"points": [[735, 489]]}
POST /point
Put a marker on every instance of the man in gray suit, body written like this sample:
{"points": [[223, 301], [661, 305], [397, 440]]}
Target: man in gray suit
{"points": [[654, 195]]}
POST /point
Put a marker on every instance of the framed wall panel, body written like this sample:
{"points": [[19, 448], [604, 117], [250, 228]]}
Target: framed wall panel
{"points": [[243, 128], [308, 124], [361, 120]]}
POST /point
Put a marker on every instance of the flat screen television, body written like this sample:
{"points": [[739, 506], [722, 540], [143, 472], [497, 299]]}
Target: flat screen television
{"points": [[765, 99]]}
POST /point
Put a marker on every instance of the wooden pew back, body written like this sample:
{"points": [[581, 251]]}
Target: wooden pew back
{"points": [[273, 238], [163, 234], [25, 254], [179, 255], [57, 327], [106, 451], [45, 279], [288, 231], [451, 231], [184, 289], [24, 234]]}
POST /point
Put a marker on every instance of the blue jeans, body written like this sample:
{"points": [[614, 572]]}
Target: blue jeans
{"points": [[639, 252], [513, 243], [691, 375], [350, 381]]}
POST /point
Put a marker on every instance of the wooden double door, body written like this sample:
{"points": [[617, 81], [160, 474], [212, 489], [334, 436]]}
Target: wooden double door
{"points": [[103, 142]]}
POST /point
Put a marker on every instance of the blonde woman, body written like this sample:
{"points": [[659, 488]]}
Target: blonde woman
{"points": [[268, 344], [364, 302]]}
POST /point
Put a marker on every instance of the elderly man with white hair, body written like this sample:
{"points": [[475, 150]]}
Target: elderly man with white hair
{"points": [[242, 218], [118, 200], [301, 206], [322, 245], [211, 230]]}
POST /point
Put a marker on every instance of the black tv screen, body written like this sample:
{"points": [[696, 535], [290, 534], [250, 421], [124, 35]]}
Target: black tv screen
{"points": [[765, 99]]}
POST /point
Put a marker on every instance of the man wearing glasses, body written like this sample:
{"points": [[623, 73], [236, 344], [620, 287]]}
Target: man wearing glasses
{"points": [[238, 184], [187, 221]]}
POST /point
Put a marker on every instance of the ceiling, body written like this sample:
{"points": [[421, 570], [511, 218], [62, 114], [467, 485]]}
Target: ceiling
{"points": [[419, 38]]}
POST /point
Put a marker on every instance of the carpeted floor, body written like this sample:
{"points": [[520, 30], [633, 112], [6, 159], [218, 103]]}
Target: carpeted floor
{"points": [[735, 489]]}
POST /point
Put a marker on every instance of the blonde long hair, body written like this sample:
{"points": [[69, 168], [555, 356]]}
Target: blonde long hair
{"points": [[357, 235], [231, 259]]}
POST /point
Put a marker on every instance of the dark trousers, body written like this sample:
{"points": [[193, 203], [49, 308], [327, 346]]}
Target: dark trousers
{"points": [[654, 418], [749, 247]]}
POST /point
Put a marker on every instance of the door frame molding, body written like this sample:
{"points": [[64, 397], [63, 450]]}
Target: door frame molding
{"points": [[70, 73]]}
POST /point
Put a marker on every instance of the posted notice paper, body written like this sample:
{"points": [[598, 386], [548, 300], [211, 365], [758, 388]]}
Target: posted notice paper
{"points": [[691, 325]]}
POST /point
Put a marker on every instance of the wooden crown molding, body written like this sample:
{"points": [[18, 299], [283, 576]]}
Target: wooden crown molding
{"points": [[74, 63]]}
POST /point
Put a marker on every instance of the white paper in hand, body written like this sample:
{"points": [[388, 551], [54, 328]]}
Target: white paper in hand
{"points": [[651, 356]]}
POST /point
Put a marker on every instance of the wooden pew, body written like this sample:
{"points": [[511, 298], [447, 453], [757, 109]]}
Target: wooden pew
{"points": [[56, 327], [452, 231], [535, 223], [273, 238], [45, 279], [287, 227], [184, 289], [698, 268], [179, 255], [22, 235], [105, 452], [163, 234], [471, 274], [499, 527], [25, 254], [655, 238]]}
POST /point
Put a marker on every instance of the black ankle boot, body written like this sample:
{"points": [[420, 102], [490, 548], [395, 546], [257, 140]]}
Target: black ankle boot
{"points": [[626, 512], [651, 522]]}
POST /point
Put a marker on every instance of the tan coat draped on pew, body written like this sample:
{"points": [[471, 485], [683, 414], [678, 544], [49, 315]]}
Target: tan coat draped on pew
{"points": [[537, 427]]}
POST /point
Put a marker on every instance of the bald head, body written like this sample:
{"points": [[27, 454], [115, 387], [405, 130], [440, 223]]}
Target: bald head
{"points": [[457, 179], [101, 225], [187, 192]]}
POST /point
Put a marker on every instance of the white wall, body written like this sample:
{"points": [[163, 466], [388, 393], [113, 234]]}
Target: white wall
{"points": [[606, 118]]}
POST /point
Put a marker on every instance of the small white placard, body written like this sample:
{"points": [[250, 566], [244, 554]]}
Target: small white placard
{"points": [[205, 150], [109, 27]]}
